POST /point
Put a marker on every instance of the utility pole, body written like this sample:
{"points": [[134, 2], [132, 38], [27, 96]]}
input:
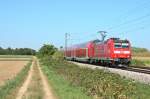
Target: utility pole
{"points": [[66, 42]]}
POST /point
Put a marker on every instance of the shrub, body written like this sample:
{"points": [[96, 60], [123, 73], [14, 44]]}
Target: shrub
{"points": [[136, 62], [46, 50], [58, 56]]}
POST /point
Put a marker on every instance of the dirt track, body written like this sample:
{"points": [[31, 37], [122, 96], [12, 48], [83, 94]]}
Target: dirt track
{"points": [[36, 85], [46, 87]]}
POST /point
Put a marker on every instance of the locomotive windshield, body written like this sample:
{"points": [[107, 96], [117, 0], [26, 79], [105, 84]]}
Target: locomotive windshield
{"points": [[121, 45], [125, 45]]}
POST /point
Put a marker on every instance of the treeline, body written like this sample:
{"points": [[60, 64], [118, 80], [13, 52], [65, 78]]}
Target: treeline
{"points": [[140, 52], [17, 51], [137, 49]]}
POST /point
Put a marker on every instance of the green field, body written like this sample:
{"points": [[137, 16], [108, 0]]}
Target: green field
{"points": [[140, 62], [140, 57]]}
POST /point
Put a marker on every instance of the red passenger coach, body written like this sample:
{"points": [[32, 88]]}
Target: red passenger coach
{"points": [[113, 52]]}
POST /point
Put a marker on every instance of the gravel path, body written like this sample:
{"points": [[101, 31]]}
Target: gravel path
{"points": [[139, 77]]}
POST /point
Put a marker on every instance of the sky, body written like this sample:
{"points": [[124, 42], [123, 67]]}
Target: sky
{"points": [[32, 23]]}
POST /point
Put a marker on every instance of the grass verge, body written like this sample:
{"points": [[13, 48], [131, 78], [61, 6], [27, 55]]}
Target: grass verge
{"points": [[61, 86], [140, 63], [65, 77], [136, 62], [12, 84]]}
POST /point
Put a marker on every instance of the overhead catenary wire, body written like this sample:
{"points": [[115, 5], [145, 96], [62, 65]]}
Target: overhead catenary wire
{"points": [[124, 23], [80, 39], [133, 30], [138, 28], [139, 24], [132, 11], [132, 20]]}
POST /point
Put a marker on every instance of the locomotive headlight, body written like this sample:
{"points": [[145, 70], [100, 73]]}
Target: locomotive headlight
{"points": [[126, 52], [117, 52]]}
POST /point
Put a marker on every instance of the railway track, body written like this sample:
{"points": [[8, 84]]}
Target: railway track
{"points": [[138, 69], [145, 70]]}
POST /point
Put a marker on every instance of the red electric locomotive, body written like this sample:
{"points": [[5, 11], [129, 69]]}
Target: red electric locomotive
{"points": [[112, 52]]}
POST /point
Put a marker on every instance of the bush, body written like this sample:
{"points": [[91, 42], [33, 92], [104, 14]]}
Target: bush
{"points": [[46, 50], [139, 50], [58, 56], [142, 52], [136, 62]]}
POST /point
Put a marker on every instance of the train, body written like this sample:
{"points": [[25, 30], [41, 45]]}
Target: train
{"points": [[111, 52]]}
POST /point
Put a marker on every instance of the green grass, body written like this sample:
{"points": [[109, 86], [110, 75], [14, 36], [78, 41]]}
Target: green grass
{"points": [[62, 87], [142, 91], [92, 82], [140, 63], [136, 62], [12, 84], [147, 62]]}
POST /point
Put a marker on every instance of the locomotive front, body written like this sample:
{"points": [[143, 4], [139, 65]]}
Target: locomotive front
{"points": [[121, 52]]}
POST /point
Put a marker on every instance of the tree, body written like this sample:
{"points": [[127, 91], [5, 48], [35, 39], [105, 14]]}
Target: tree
{"points": [[17, 51], [2, 52], [59, 56], [139, 50], [47, 50]]}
